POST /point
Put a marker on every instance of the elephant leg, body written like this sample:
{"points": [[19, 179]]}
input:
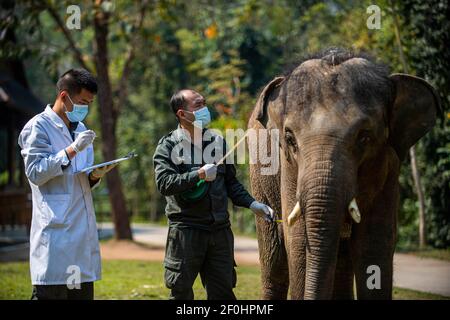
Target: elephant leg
{"points": [[273, 261], [373, 244], [374, 272], [343, 279]]}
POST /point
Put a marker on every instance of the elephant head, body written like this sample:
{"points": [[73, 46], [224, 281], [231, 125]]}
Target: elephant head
{"points": [[345, 125]]}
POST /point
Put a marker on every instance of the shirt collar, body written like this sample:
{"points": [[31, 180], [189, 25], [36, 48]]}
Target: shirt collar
{"points": [[73, 126], [182, 134]]}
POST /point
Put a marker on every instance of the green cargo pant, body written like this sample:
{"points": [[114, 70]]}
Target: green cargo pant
{"points": [[190, 251]]}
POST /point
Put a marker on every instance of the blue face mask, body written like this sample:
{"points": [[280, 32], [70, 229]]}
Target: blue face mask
{"points": [[78, 113], [202, 116]]}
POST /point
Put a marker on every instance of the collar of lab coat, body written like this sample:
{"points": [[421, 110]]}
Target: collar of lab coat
{"points": [[56, 120], [54, 117]]}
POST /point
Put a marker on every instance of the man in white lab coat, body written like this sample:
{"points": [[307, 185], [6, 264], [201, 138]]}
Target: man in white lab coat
{"points": [[64, 248]]}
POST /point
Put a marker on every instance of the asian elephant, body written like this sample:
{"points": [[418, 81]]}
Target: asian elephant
{"points": [[345, 125]]}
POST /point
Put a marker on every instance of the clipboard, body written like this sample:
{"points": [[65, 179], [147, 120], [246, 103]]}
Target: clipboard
{"points": [[129, 156]]}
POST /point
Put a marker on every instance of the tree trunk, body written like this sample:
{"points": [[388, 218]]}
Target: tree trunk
{"points": [[154, 202], [241, 222], [419, 190], [412, 151], [108, 126]]}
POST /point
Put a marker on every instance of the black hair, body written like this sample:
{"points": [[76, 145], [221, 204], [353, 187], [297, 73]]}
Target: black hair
{"points": [[178, 101], [74, 80]]}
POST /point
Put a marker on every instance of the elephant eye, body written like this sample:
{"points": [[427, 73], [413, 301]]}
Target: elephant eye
{"points": [[290, 140], [364, 137]]}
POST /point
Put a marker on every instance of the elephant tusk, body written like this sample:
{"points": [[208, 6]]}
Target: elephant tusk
{"points": [[354, 211], [295, 214]]}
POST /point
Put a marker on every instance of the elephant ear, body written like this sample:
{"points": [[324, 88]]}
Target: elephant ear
{"points": [[261, 104], [413, 113]]}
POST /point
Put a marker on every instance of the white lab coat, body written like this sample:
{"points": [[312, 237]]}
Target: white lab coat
{"points": [[63, 237]]}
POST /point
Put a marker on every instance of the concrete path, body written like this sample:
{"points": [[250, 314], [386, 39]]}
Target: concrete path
{"points": [[422, 274], [245, 248]]}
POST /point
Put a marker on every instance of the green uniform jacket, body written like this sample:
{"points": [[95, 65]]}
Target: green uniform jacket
{"points": [[172, 179]]}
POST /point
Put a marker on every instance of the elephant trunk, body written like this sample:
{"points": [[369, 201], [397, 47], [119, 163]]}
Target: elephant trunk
{"points": [[324, 192]]}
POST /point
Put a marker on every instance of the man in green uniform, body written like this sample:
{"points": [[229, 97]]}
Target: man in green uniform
{"points": [[200, 239]]}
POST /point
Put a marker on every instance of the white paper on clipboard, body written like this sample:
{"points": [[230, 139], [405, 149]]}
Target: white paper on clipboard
{"points": [[127, 157]]}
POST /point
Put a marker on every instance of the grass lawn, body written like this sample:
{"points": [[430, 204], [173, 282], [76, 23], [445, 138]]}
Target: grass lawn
{"points": [[144, 280]]}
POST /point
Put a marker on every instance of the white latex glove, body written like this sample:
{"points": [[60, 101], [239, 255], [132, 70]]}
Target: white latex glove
{"points": [[98, 173], [210, 170], [262, 210], [83, 140]]}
